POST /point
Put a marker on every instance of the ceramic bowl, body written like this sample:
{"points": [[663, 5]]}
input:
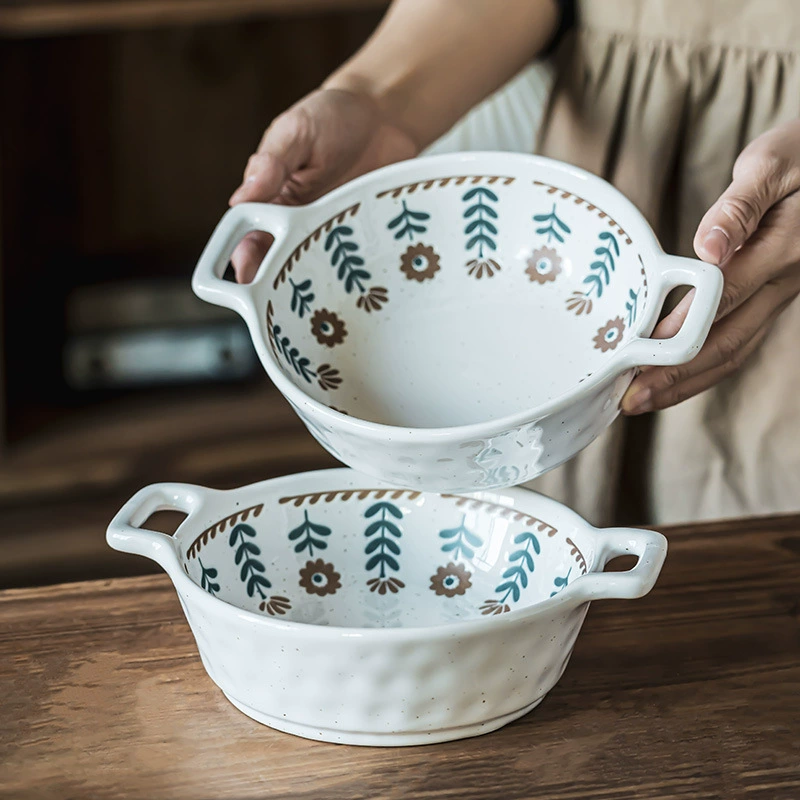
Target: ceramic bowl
{"points": [[336, 607], [458, 322]]}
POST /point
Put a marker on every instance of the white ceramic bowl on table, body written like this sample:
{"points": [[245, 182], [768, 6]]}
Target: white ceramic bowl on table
{"points": [[340, 608], [462, 321]]}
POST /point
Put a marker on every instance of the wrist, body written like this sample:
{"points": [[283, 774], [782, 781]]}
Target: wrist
{"points": [[391, 99]]}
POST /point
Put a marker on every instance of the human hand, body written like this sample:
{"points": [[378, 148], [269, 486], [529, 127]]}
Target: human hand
{"points": [[324, 140], [753, 233]]}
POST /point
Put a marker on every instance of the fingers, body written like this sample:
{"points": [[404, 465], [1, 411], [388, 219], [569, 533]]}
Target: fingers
{"points": [[650, 400], [773, 251], [283, 150], [729, 343], [766, 171], [249, 254]]}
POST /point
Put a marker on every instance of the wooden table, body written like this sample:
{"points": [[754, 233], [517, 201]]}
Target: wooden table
{"points": [[692, 692]]}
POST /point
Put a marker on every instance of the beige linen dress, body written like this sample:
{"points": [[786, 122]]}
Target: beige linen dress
{"points": [[659, 97]]}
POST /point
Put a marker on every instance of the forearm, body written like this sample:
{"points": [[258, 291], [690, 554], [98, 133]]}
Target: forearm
{"points": [[430, 61]]}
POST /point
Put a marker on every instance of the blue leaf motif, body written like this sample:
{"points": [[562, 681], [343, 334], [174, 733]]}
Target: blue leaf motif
{"points": [[479, 190], [389, 507], [480, 230], [523, 555], [334, 236], [609, 237], [207, 575], [509, 587], [522, 564], [245, 555], [306, 541], [462, 541], [552, 225], [383, 549], [405, 222]]}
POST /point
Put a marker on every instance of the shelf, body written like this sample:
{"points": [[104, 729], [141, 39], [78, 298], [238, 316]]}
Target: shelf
{"points": [[33, 19], [60, 489]]}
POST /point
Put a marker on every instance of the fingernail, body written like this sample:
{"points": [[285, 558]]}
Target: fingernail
{"points": [[236, 196], [637, 401], [716, 245]]}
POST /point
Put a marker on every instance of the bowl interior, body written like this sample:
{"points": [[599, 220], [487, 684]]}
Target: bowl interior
{"points": [[414, 296], [366, 558]]}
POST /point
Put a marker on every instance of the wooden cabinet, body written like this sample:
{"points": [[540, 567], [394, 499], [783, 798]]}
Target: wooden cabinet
{"points": [[124, 126]]}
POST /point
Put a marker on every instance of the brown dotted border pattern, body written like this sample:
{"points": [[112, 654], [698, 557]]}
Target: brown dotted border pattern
{"points": [[457, 180], [218, 527], [314, 236], [505, 511], [345, 494], [579, 559]]}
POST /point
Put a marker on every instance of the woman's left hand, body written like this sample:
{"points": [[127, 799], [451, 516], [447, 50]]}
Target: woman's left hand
{"points": [[753, 233]]}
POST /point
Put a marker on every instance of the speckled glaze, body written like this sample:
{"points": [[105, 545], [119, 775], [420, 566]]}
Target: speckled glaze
{"points": [[339, 608], [458, 322]]}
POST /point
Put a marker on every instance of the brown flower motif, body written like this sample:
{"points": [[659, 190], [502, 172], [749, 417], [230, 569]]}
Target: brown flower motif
{"points": [[275, 605], [579, 303], [318, 577], [479, 267], [491, 607], [610, 335], [328, 378], [373, 299], [382, 585], [327, 328], [451, 580], [419, 263], [543, 265]]}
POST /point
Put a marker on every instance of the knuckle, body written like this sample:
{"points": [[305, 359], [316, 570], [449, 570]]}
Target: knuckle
{"points": [[733, 291], [671, 377], [729, 345], [742, 211], [774, 164]]}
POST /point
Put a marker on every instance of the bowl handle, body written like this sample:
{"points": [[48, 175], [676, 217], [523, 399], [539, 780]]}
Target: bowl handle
{"points": [[685, 344], [125, 533], [237, 222], [651, 547]]}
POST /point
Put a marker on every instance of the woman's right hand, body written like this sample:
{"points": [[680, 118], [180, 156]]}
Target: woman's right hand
{"points": [[323, 141]]}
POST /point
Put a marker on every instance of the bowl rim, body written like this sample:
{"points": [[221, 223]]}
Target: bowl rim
{"points": [[635, 223], [564, 601]]}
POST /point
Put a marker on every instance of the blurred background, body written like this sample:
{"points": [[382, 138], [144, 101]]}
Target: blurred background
{"points": [[125, 126]]}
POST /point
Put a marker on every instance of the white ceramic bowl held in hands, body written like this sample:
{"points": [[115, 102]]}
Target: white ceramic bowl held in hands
{"points": [[458, 322], [336, 607]]}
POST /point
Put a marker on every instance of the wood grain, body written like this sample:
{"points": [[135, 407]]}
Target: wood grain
{"points": [[29, 18], [691, 692]]}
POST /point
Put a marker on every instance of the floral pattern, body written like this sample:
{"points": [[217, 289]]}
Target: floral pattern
{"points": [[610, 335], [276, 605], [544, 265], [451, 580], [481, 210], [478, 267], [373, 299], [383, 585], [419, 263], [327, 328], [492, 606], [328, 378], [320, 578]]}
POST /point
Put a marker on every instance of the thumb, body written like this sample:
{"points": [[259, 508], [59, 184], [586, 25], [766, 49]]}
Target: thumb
{"points": [[284, 149], [757, 185]]}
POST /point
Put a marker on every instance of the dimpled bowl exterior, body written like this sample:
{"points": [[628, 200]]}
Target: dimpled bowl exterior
{"points": [[458, 322], [339, 608]]}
